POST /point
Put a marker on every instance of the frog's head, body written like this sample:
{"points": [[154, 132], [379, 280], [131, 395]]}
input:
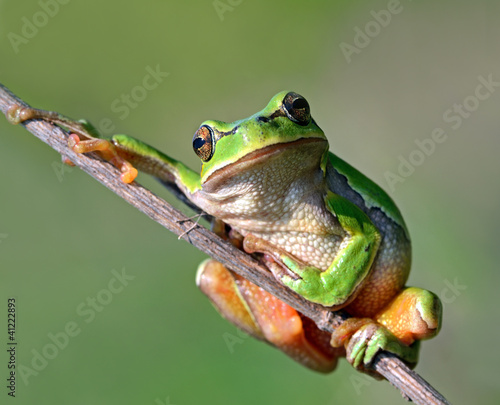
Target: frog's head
{"points": [[284, 126]]}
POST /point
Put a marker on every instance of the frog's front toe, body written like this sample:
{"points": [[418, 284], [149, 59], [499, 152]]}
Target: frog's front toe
{"points": [[363, 338]]}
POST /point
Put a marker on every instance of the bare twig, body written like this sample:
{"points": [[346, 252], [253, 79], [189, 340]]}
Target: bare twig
{"points": [[411, 385]]}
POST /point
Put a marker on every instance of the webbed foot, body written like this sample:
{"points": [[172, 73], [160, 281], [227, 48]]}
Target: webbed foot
{"points": [[83, 138]]}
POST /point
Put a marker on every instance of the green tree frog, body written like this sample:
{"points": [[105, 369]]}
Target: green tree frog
{"points": [[322, 228]]}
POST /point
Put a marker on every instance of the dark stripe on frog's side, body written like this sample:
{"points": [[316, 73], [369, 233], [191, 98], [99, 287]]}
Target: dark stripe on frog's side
{"points": [[348, 182], [393, 259], [263, 119]]}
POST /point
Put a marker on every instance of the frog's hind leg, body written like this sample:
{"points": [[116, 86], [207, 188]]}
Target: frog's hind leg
{"points": [[414, 314], [265, 317]]}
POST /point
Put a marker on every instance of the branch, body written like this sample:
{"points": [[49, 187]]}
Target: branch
{"points": [[411, 385]]}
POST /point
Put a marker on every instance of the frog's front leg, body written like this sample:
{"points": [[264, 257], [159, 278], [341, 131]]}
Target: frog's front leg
{"points": [[338, 284], [126, 153], [17, 114], [265, 317]]}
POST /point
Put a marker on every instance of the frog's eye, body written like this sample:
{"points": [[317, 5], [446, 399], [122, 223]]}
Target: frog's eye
{"points": [[203, 143], [297, 108]]}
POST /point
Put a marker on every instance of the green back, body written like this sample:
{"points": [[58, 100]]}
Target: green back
{"points": [[372, 194]]}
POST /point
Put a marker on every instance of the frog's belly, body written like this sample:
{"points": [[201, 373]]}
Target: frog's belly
{"points": [[315, 250]]}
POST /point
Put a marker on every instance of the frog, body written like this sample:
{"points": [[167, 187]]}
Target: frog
{"points": [[323, 229]]}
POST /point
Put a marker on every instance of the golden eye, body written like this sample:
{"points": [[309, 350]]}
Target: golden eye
{"points": [[203, 143], [297, 108]]}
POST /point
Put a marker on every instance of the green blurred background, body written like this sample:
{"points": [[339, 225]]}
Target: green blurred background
{"points": [[159, 341]]}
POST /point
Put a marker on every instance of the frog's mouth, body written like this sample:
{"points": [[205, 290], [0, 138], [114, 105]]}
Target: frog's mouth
{"points": [[300, 155]]}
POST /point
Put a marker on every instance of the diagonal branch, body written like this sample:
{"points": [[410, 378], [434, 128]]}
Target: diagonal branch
{"points": [[411, 385]]}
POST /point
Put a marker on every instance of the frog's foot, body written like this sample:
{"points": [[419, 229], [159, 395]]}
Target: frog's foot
{"points": [[108, 151], [363, 338], [83, 137], [265, 317], [413, 315], [17, 114]]}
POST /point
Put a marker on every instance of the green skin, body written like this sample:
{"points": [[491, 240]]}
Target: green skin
{"points": [[224, 146]]}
